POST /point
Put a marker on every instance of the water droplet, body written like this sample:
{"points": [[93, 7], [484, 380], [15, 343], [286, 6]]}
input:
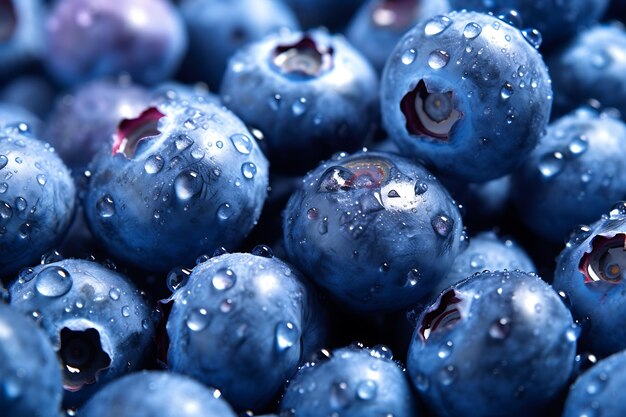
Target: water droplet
{"points": [[242, 143], [286, 335], [248, 170], [153, 164], [413, 277], [472, 30], [20, 204], [274, 102], [436, 25], [408, 57], [6, 212], [187, 184], [105, 206], [442, 225], [477, 261], [393, 194], [3, 161], [312, 213], [263, 251], [438, 59], [421, 382], [445, 350], [24, 230], [226, 306], [198, 319], [366, 390], [177, 278], [420, 188], [299, 106], [339, 397], [53, 281], [500, 328], [224, 211], [115, 293], [597, 385], [223, 279], [41, 179], [448, 375], [190, 124], [3, 187], [618, 210], [578, 145], [323, 226], [533, 37], [577, 235], [381, 352], [126, 311], [551, 164], [507, 91]]}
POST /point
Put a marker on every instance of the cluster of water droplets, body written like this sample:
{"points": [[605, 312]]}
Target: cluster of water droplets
{"points": [[553, 163]]}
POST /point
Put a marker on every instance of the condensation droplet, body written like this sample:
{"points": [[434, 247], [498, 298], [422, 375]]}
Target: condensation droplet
{"points": [[153, 164], [105, 206], [53, 281], [248, 170], [287, 334], [438, 59], [242, 143], [408, 57], [198, 319], [472, 30], [223, 279]]}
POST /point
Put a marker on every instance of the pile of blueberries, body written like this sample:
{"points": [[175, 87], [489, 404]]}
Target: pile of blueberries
{"points": [[312, 208]]}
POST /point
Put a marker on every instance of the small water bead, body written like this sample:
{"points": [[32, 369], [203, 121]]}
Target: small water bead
{"points": [[445, 350], [24, 230], [263, 251], [299, 106], [436, 25], [41, 179], [21, 204], [26, 275], [3, 187], [198, 319], [219, 144], [472, 30], [533, 37], [197, 153], [323, 226], [3, 161], [224, 211], [177, 278], [381, 352], [187, 184], [115, 293], [506, 91], [190, 124], [438, 59], [618, 210], [447, 375], [287, 334], [242, 143], [53, 281], [551, 164], [223, 279], [226, 306], [393, 194], [126, 311], [500, 328], [274, 102], [248, 170], [442, 225], [420, 188], [413, 277], [421, 382], [18, 160], [578, 145], [366, 390], [105, 207], [6, 211], [154, 164], [339, 397], [408, 57], [597, 385], [477, 261], [312, 213]]}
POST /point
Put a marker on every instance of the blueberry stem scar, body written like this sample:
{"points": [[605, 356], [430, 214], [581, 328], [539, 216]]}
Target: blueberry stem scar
{"points": [[132, 131], [305, 58]]}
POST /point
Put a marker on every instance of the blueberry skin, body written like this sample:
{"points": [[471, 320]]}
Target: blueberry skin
{"points": [[305, 111], [174, 90], [486, 251], [492, 109], [351, 382], [196, 181], [555, 20], [375, 230], [29, 370], [375, 31], [574, 175], [591, 67], [595, 297], [599, 390], [84, 121], [243, 323], [152, 393], [37, 200], [505, 337], [21, 35], [89, 39], [218, 28], [12, 115], [328, 13], [87, 308]]}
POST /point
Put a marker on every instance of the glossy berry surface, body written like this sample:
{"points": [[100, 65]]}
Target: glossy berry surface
{"points": [[88, 39], [148, 394], [181, 179], [375, 230], [267, 319], [459, 91], [574, 175], [590, 273], [37, 198], [476, 336], [29, 370], [311, 94], [351, 382], [97, 321]]}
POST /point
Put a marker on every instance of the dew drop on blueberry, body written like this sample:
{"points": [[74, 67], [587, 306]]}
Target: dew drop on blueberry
{"points": [[339, 397], [198, 319], [366, 390], [105, 206], [224, 211], [442, 225], [500, 329], [472, 30], [248, 170], [436, 25], [154, 164], [3, 161], [53, 281], [242, 143], [115, 293], [408, 57], [187, 184], [551, 164], [286, 336], [223, 279], [438, 59]]}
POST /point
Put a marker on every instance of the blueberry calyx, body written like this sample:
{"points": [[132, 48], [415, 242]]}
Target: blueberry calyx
{"points": [[394, 14], [606, 261], [443, 314], [305, 58], [83, 357], [8, 20], [132, 131], [431, 114], [369, 173]]}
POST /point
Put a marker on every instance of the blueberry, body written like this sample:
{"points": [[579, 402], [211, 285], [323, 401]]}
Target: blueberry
{"points": [[589, 272], [174, 90], [12, 115], [37, 197], [32, 92], [574, 175], [462, 90], [329, 13], [88, 39], [85, 120], [182, 179], [379, 24], [555, 20], [352, 382], [21, 37], [375, 230], [591, 67], [504, 337], [151, 393], [311, 94], [29, 370], [97, 321], [598, 391], [242, 323], [218, 28]]}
